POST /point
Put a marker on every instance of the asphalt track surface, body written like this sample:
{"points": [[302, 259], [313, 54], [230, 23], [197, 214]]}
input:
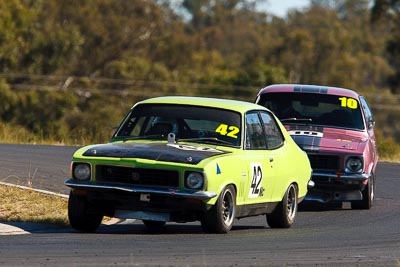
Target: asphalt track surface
{"points": [[321, 236]]}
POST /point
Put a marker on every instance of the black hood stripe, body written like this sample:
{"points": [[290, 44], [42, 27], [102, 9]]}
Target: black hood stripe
{"points": [[153, 151], [307, 142]]}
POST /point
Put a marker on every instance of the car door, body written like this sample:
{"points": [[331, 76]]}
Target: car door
{"points": [[370, 124], [280, 159], [258, 160]]}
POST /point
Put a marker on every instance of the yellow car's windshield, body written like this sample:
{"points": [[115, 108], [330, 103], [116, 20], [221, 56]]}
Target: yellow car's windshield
{"points": [[192, 123]]}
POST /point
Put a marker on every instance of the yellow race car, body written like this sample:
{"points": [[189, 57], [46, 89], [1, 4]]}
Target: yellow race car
{"points": [[186, 159]]}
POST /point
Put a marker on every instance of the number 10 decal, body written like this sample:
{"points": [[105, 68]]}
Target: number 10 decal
{"points": [[257, 176], [348, 102]]}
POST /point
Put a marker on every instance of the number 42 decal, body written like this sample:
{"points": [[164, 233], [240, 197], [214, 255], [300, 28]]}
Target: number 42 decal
{"points": [[230, 131], [257, 176]]}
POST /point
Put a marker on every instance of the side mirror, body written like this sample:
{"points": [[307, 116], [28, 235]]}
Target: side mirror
{"points": [[112, 131], [370, 124]]}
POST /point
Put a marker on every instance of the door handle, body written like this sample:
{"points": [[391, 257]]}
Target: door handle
{"points": [[271, 159]]}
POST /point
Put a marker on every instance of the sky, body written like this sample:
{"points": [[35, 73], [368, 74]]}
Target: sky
{"points": [[277, 7], [281, 7]]}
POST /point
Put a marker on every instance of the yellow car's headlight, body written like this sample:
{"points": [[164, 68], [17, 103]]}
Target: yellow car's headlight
{"points": [[81, 171], [194, 180]]}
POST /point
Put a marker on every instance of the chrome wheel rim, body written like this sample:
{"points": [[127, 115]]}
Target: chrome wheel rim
{"points": [[372, 194], [227, 208], [291, 206]]}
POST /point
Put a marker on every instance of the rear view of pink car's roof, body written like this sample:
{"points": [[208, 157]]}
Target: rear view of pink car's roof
{"points": [[302, 88]]}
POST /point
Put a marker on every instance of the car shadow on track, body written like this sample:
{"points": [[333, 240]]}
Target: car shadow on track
{"points": [[168, 229], [18, 228], [314, 206], [125, 228]]}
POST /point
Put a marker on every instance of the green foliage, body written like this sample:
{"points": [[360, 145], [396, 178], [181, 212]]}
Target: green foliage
{"points": [[16, 30], [92, 121], [388, 13], [43, 112], [15, 134], [70, 70], [389, 149], [8, 102]]}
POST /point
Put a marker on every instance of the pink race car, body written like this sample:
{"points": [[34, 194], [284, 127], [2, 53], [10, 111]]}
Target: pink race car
{"points": [[335, 127]]}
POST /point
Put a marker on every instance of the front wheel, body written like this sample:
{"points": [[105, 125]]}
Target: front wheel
{"points": [[219, 219], [368, 195], [82, 216], [284, 214]]}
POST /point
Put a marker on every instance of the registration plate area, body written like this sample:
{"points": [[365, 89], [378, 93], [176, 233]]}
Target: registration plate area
{"points": [[112, 201], [143, 215], [145, 197]]}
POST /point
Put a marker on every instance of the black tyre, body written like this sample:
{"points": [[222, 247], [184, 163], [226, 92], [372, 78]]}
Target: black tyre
{"points": [[219, 219], [81, 215], [368, 195], [284, 214]]}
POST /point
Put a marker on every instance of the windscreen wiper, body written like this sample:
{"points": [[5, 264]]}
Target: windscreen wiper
{"points": [[207, 140], [297, 119], [152, 136]]}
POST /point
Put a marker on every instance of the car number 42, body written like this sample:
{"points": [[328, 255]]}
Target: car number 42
{"points": [[257, 176]]}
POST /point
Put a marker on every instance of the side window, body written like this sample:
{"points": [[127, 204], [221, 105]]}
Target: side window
{"points": [[272, 131], [132, 127], [254, 133], [369, 118]]}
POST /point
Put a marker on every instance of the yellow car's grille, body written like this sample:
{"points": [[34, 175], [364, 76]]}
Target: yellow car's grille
{"points": [[137, 176]]}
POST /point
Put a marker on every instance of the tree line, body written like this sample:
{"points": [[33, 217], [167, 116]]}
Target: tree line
{"points": [[72, 68]]}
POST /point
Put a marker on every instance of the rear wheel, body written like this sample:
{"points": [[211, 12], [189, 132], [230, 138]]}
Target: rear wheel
{"points": [[284, 214], [368, 195], [219, 219], [82, 216]]}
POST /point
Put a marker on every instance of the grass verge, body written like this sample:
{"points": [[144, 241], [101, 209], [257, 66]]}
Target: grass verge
{"points": [[30, 206]]}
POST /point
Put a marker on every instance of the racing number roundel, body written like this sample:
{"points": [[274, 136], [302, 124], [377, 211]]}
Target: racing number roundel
{"points": [[257, 176]]}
